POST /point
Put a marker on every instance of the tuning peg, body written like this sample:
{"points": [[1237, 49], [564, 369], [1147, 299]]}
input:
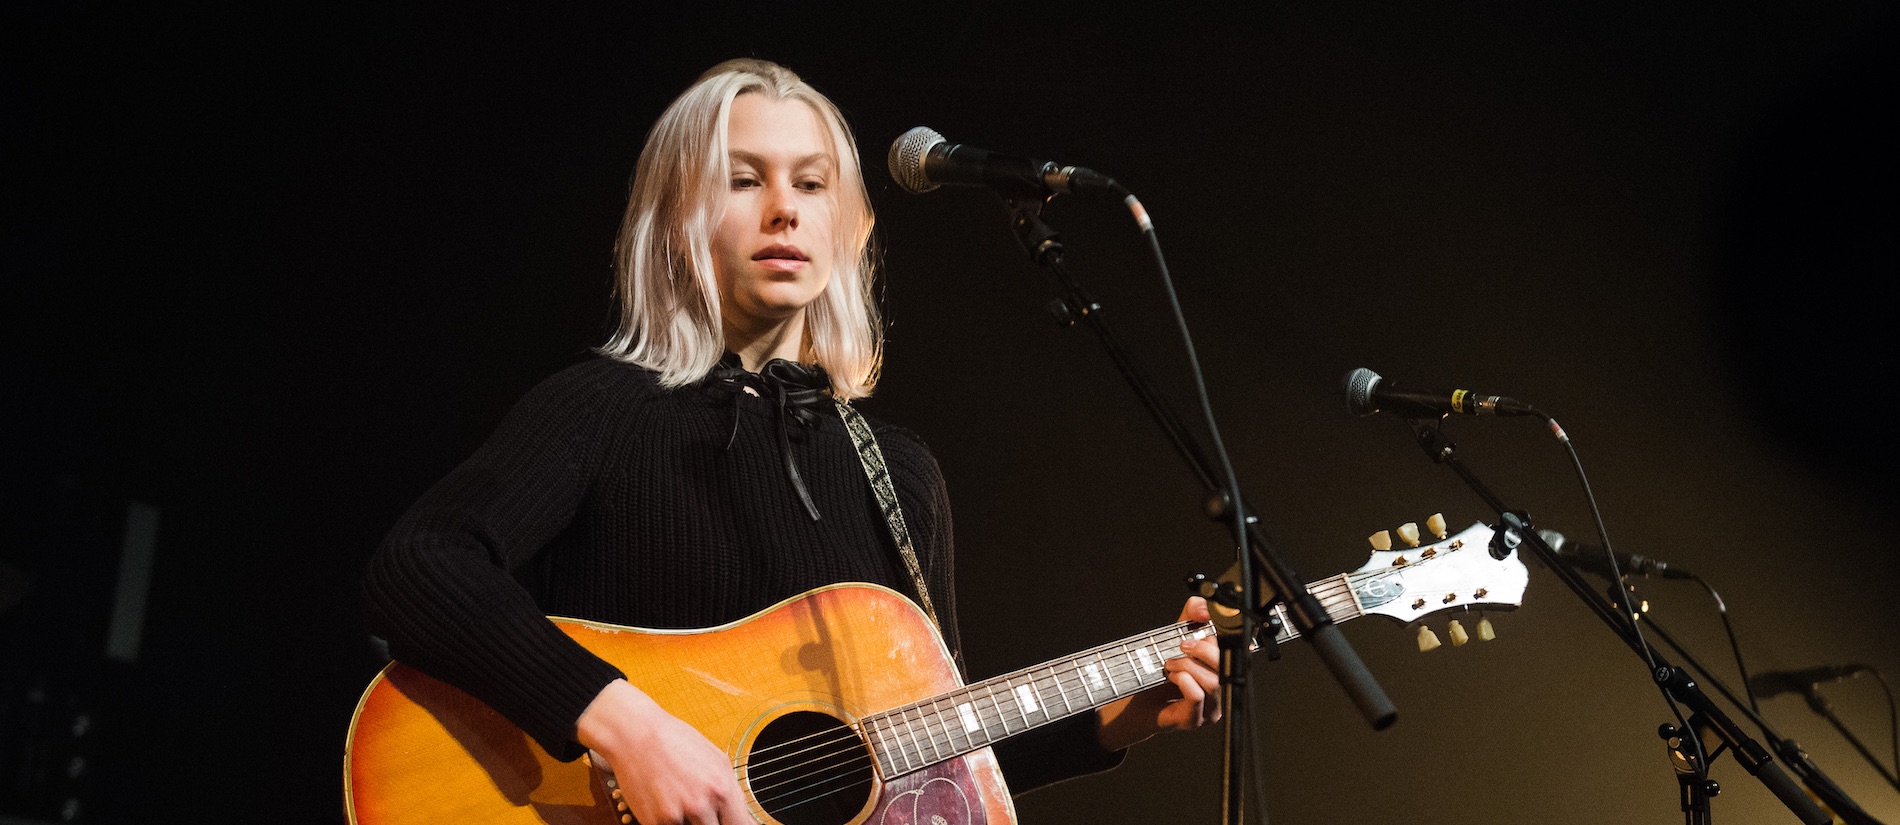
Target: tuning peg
{"points": [[1381, 540], [1427, 640], [1408, 532], [1458, 635], [1436, 524], [1485, 633]]}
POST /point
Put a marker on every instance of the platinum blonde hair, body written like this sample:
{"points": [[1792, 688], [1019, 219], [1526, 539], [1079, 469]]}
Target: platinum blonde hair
{"points": [[665, 289]]}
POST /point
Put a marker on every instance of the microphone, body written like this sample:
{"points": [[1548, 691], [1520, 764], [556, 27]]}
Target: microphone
{"points": [[1367, 393], [921, 160], [1776, 682], [1590, 557]]}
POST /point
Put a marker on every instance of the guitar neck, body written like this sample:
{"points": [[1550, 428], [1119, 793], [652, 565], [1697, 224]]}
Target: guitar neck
{"points": [[943, 727]]}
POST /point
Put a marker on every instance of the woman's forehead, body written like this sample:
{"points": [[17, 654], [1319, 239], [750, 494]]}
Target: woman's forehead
{"points": [[760, 128]]}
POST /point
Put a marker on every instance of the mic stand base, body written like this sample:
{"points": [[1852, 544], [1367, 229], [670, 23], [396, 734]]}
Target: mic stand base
{"points": [[1692, 775]]}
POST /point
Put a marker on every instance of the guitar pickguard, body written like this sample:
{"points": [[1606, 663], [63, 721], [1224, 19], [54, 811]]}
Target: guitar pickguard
{"points": [[942, 794]]}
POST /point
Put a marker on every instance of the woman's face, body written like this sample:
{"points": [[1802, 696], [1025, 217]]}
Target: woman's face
{"points": [[772, 249]]}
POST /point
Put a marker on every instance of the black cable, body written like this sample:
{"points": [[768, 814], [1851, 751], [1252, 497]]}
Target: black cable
{"points": [[1893, 718], [1626, 597], [1721, 609], [1236, 507]]}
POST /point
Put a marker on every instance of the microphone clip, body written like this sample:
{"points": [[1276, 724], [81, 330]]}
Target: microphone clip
{"points": [[1037, 237]]}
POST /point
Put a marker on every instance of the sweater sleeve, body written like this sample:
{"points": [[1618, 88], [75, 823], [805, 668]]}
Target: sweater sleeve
{"points": [[1044, 756], [441, 588]]}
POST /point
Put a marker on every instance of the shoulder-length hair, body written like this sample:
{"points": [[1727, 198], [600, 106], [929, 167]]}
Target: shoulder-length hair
{"points": [[665, 290]]}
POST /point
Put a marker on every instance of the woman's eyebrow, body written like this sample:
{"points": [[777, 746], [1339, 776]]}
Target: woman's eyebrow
{"points": [[813, 159]]}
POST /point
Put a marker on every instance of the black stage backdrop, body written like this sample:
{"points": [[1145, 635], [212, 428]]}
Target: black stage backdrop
{"points": [[274, 270]]}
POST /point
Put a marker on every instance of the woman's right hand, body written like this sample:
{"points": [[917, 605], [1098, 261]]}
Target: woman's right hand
{"points": [[669, 773]]}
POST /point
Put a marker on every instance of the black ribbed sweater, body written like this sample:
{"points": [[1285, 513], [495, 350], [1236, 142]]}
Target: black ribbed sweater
{"points": [[603, 496]]}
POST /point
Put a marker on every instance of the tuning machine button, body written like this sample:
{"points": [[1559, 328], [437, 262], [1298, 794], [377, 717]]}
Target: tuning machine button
{"points": [[1381, 540], [1458, 635], [1436, 524], [1427, 640], [1485, 633], [1408, 532]]}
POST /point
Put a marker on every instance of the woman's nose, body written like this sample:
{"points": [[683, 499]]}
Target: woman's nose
{"points": [[780, 210]]}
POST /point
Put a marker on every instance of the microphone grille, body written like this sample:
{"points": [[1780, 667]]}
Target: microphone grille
{"points": [[906, 158], [1358, 386]]}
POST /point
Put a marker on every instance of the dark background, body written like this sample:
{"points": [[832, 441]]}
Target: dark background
{"points": [[275, 270]]}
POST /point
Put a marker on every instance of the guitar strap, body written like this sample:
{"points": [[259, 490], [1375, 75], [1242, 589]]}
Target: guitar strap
{"points": [[880, 476]]}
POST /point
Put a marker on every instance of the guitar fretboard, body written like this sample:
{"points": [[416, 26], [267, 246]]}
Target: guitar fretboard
{"points": [[922, 734]]}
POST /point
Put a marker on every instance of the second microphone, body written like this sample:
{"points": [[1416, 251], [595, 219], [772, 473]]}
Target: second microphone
{"points": [[921, 160]]}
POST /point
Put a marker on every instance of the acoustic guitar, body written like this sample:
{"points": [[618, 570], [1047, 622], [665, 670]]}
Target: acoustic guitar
{"points": [[838, 707]]}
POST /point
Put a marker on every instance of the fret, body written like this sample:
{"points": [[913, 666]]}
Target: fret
{"points": [[1002, 716], [948, 746], [1095, 681], [940, 743], [1064, 694], [910, 736], [930, 739], [967, 715], [1025, 702], [1134, 669], [1148, 662], [886, 747], [1287, 631], [966, 721]]}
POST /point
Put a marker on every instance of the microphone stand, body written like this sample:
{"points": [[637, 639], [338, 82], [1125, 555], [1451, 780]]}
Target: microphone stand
{"points": [[1265, 575], [1797, 759], [1706, 720]]}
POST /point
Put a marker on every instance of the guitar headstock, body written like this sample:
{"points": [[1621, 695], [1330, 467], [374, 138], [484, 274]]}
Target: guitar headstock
{"points": [[1414, 579]]}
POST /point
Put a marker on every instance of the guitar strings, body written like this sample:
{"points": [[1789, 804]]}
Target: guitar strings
{"points": [[1050, 674], [843, 753], [778, 759], [938, 740]]}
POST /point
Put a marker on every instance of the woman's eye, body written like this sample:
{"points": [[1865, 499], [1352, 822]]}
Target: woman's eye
{"points": [[812, 185], [744, 183]]}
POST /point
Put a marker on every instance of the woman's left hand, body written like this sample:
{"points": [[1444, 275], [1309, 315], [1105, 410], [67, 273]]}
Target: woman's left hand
{"points": [[1189, 699]]}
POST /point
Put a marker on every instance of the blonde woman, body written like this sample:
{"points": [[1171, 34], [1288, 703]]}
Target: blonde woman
{"points": [[699, 471]]}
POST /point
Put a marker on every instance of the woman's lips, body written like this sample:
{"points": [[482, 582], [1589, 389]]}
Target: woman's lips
{"points": [[781, 258]]}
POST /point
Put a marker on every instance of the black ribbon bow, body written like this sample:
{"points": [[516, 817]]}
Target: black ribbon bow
{"points": [[798, 392]]}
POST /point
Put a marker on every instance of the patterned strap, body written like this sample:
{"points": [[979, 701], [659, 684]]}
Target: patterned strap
{"points": [[880, 476]]}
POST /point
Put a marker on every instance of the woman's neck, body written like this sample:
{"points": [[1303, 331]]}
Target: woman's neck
{"points": [[756, 347]]}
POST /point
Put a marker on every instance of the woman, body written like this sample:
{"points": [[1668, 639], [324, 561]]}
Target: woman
{"points": [[697, 473]]}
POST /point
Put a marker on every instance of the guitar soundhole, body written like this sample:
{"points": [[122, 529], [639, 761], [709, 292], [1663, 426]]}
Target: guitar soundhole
{"points": [[808, 768]]}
